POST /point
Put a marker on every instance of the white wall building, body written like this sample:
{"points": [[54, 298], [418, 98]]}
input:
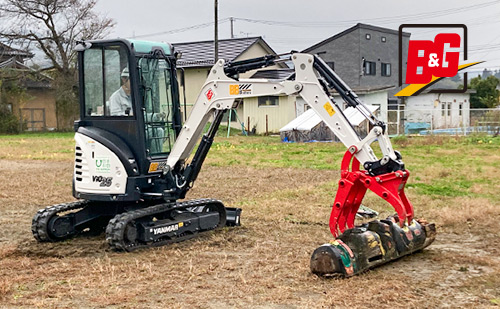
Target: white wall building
{"points": [[445, 110]]}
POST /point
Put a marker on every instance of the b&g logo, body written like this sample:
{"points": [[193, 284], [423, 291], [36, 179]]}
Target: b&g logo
{"points": [[428, 58], [429, 61]]}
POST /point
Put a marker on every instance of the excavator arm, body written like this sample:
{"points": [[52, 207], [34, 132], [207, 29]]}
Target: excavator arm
{"points": [[220, 92], [312, 79]]}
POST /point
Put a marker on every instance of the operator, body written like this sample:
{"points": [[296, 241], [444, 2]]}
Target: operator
{"points": [[120, 104], [120, 101]]}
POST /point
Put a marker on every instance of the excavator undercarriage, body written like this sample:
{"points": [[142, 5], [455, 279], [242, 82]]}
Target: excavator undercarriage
{"points": [[133, 226]]}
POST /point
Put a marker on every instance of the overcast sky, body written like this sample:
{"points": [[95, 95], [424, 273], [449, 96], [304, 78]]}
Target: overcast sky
{"points": [[297, 24]]}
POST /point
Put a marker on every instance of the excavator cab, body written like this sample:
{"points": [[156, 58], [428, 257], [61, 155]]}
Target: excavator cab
{"points": [[130, 105]]}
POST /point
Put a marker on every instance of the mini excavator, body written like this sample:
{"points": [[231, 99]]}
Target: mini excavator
{"points": [[134, 164]]}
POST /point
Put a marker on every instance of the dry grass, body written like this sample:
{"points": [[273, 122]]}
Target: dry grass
{"points": [[265, 262]]}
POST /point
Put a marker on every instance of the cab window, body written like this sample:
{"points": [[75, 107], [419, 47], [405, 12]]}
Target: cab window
{"points": [[156, 90], [107, 89]]}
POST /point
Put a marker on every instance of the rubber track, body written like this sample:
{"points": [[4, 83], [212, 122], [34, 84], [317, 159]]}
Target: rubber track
{"points": [[40, 221], [115, 230]]}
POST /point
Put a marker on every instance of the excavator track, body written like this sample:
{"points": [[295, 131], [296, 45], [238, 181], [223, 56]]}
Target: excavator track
{"points": [[164, 224], [41, 221]]}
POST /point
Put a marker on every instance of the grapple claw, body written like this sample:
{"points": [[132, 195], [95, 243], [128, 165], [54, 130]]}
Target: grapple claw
{"points": [[353, 184]]}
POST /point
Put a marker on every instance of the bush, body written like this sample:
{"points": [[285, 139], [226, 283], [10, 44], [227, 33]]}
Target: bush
{"points": [[8, 122]]}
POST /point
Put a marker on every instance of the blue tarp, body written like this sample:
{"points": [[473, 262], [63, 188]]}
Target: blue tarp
{"points": [[415, 127]]}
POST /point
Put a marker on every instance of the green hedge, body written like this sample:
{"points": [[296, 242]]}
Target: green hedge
{"points": [[8, 122]]}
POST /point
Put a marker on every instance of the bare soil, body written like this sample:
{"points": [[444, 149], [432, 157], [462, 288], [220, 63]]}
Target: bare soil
{"points": [[262, 264]]}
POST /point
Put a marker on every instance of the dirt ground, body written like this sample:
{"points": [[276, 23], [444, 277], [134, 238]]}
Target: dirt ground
{"points": [[262, 264]]}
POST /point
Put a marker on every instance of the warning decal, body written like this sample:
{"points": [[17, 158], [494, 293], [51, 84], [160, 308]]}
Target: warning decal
{"points": [[329, 108]]}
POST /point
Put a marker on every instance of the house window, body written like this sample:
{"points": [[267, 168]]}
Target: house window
{"points": [[443, 109], [269, 101], [370, 68], [383, 39], [393, 104], [331, 64], [386, 69], [449, 109], [368, 36], [460, 109]]}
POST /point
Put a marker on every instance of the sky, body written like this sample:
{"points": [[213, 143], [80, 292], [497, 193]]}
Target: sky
{"points": [[297, 24]]}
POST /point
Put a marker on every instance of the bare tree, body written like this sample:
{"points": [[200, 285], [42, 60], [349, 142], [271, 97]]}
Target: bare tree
{"points": [[53, 27]]}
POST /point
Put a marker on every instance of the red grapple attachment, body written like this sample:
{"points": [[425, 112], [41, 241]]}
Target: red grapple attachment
{"points": [[356, 249], [353, 184]]}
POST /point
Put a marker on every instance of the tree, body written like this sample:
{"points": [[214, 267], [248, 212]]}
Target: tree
{"points": [[11, 90], [53, 27], [486, 95]]}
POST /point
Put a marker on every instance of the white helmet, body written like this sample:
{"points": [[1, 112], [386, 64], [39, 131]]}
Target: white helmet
{"points": [[125, 73]]}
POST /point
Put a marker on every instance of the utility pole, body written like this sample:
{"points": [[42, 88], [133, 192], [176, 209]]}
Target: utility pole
{"points": [[216, 40], [232, 28]]}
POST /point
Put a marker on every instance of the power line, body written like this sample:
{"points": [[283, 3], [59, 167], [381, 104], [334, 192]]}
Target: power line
{"points": [[382, 20], [194, 27]]}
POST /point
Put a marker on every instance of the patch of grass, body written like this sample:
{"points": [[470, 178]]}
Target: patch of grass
{"points": [[47, 135], [286, 192], [439, 190], [262, 152], [38, 146]]}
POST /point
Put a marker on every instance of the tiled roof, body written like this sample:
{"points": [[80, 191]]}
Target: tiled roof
{"points": [[9, 63], [201, 54], [7, 51], [32, 78]]}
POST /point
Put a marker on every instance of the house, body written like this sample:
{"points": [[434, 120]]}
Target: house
{"points": [[365, 56], [431, 111], [269, 114], [368, 56], [7, 53], [197, 59], [375, 95], [36, 108]]}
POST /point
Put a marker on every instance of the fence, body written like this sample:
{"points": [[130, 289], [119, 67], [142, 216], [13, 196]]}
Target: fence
{"points": [[443, 121]]}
